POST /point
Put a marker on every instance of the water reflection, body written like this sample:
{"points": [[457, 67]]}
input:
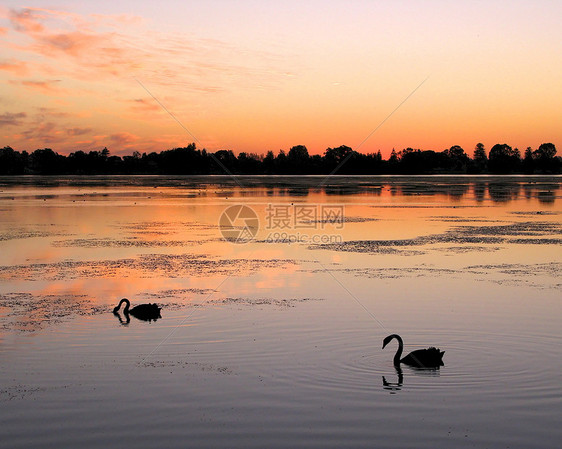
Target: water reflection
{"points": [[123, 322], [127, 319], [394, 387], [499, 189]]}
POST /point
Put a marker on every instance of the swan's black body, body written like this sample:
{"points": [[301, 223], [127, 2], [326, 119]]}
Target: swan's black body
{"points": [[421, 358], [145, 312]]}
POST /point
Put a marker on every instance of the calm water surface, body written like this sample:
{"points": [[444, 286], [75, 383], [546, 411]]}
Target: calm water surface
{"points": [[276, 342]]}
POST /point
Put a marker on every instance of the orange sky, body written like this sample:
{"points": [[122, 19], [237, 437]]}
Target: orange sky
{"points": [[249, 76]]}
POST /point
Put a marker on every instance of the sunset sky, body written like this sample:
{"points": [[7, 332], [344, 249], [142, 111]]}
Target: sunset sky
{"points": [[256, 76]]}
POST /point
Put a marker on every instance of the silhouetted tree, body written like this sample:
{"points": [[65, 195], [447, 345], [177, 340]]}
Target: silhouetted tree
{"points": [[12, 162], [281, 164], [480, 160], [189, 160], [47, 162], [248, 164], [528, 161], [340, 158], [544, 158], [269, 163], [459, 159], [298, 159], [503, 159]]}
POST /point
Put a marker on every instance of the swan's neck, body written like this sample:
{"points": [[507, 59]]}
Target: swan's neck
{"points": [[398, 354], [127, 305]]}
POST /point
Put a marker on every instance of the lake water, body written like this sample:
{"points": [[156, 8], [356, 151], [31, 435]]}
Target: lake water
{"points": [[274, 341]]}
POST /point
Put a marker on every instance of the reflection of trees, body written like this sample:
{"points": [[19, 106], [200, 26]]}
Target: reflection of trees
{"points": [[343, 190], [546, 197], [501, 192], [479, 191], [547, 193]]}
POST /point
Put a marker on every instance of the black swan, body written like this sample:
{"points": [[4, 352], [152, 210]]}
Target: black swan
{"points": [[421, 358], [145, 312]]}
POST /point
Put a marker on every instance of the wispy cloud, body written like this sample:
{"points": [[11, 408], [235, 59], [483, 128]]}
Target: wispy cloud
{"points": [[89, 62], [78, 131], [12, 119], [112, 45], [48, 132]]}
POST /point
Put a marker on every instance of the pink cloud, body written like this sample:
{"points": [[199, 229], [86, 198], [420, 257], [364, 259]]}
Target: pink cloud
{"points": [[42, 86], [197, 65], [123, 139], [75, 44], [16, 67], [144, 105], [26, 21]]}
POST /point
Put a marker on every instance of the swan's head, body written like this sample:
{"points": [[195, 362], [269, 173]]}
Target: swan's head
{"points": [[387, 340]]}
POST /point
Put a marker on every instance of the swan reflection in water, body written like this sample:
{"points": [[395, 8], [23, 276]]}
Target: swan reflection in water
{"points": [[145, 312], [394, 387]]}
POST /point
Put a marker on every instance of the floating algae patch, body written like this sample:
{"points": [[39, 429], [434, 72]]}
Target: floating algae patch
{"points": [[23, 233], [453, 219], [542, 276], [467, 249], [537, 241], [472, 236], [126, 243], [143, 266], [179, 292], [21, 391], [163, 227], [396, 246], [393, 272], [28, 312], [339, 220], [170, 364], [282, 303], [514, 229], [538, 212], [372, 247], [553, 269], [175, 299]]}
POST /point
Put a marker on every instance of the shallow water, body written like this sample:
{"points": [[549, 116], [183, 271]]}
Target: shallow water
{"points": [[276, 342]]}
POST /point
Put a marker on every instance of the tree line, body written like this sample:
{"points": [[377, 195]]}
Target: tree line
{"points": [[501, 159]]}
